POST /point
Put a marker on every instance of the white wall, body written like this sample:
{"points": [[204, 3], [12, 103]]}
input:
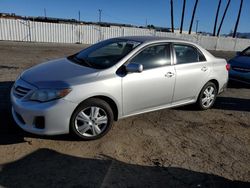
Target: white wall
{"points": [[24, 30]]}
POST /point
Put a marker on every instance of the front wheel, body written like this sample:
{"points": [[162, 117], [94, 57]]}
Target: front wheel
{"points": [[207, 96], [92, 119]]}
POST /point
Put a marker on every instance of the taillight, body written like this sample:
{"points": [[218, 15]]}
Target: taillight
{"points": [[228, 67]]}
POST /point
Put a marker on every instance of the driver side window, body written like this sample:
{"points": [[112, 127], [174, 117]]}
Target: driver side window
{"points": [[153, 56]]}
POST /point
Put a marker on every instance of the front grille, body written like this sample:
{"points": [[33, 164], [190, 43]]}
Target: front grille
{"points": [[240, 69], [20, 91]]}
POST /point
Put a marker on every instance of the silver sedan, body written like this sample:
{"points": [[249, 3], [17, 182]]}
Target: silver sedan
{"points": [[84, 93]]}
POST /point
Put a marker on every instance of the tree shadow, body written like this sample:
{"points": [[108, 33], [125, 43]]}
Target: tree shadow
{"points": [[47, 168]]}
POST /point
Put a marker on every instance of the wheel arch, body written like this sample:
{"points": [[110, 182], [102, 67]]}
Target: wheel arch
{"points": [[216, 83], [108, 100]]}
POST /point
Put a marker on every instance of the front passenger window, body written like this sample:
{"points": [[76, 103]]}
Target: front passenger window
{"points": [[153, 56]]}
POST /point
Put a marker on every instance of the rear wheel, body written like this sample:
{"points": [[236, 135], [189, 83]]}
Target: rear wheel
{"points": [[92, 119], [207, 96]]}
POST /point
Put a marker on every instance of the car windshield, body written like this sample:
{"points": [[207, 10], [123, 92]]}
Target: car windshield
{"points": [[246, 52], [104, 54]]}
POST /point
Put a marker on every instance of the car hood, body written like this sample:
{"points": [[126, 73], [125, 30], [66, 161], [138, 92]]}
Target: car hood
{"points": [[58, 73], [241, 61]]}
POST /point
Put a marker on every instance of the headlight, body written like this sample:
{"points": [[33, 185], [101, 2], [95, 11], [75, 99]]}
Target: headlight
{"points": [[44, 95]]}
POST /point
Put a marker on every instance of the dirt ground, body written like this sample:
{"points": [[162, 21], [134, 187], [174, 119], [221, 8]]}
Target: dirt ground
{"points": [[179, 147]]}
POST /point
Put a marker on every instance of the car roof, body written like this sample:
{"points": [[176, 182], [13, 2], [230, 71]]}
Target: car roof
{"points": [[149, 38]]}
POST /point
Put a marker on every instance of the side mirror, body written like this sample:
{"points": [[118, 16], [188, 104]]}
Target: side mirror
{"points": [[134, 67], [238, 53]]}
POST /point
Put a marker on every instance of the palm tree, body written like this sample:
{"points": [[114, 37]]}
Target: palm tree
{"points": [[192, 20], [238, 19], [223, 17], [216, 17], [183, 13], [172, 15]]}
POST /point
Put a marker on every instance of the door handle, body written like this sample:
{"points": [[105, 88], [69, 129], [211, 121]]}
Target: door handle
{"points": [[204, 68], [169, 74]]}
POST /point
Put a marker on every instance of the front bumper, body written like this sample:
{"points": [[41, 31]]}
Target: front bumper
{"points": [[56, 115]]}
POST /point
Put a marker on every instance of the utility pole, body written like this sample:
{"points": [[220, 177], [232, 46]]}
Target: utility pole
{"points": [[197, 25], [79, 16], [223, 17], [45, 13], [146, 23], [238, 19], [100, 15], [183, 13], [216, 17], [79, 19], [172, 15], [192, 20]]}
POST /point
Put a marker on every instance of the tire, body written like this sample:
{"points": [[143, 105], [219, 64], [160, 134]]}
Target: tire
{"points": [[92, 119], [207, 96]]}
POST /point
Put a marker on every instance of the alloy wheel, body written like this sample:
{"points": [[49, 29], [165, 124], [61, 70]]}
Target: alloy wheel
{"points": [[208, 96], [91, 121]]}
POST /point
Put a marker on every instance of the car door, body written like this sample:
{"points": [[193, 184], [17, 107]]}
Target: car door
{"points": [[154, 86], [192, 72]]}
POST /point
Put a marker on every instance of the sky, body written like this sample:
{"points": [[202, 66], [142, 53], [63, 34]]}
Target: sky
{"points": [[135, 12]]}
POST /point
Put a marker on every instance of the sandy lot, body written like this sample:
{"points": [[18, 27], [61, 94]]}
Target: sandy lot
{"points": [[179, 147]]}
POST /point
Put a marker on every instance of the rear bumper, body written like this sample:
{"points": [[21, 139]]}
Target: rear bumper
{"points": [[223, 88]]}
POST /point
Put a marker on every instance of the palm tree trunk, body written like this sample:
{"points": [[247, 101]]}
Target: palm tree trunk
{"points": [[183, 13], [172, 15], [223, 17], [238, 19], [216, 17], [192, 20]]}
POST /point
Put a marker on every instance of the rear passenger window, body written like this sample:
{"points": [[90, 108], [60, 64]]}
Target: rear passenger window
{"points": [[187, 54]]}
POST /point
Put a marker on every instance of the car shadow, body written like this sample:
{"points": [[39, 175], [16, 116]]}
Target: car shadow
{"points": [[238, 85], [223, 103], [231, 103], [10, 133], [48, 168]]}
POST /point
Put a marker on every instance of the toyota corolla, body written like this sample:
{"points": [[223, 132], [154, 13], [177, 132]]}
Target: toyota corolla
{"points": [[84, 93]]}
